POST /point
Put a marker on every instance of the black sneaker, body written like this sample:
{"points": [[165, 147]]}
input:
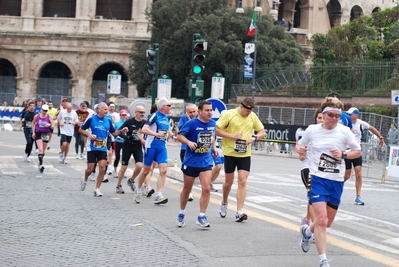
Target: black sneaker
{"points": [[130, 183], [241, 217], [105, 180], [41, 168]]}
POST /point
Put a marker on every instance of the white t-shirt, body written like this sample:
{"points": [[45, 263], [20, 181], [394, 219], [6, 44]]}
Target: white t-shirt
{"points": [[356, 129], [322, 163], [67, 118]]}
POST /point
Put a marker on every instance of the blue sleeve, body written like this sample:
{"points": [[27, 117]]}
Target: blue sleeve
{"points": [[151, 119], [86, 124], [182, 121], [111, 127], [185, 129]]}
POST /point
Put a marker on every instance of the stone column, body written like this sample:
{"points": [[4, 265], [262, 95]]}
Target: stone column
{"points": [[141, 21], [27, 8], [24, 83], [82, 14]]}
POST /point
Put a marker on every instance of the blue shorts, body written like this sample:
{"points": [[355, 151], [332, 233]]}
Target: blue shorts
{"points": [[324, 190], [193, 171], [160, 155], [219, 160]]}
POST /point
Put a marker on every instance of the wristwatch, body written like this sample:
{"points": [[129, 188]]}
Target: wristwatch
{"points": [[255, 136], [344, 155]]}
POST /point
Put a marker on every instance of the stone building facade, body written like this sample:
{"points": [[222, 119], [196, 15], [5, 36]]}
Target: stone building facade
{"points": [[67, 47]]}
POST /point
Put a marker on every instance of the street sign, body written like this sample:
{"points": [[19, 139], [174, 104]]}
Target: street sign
{"points": [[164, 87], [217, 107], [114, 81], [217, 89], [395, 97]]}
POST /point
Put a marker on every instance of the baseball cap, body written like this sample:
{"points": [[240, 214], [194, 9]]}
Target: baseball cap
{"points": [[123, 112], [39, 99], [45, 107], [64, 99], [83, 104], [353, 111]]}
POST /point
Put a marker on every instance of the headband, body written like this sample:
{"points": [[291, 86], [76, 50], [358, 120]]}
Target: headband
{"points": [[332, 109]]}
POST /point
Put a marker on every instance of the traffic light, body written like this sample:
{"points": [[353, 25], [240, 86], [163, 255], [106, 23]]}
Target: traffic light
{"points": [[198, 56], [153, 62]]}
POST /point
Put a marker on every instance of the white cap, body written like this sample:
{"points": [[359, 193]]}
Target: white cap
{"points": [[45, 107]]}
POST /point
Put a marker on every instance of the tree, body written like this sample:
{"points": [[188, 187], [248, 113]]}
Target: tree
{"points": [[175, 22]]}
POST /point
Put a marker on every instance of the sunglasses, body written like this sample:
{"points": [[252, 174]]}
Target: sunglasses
{"points": [[169, 105], [123, 114], [246, 107], [44, 110], [332, 115], [141, 112]]}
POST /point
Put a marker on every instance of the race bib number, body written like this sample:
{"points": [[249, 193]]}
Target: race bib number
{"points": [[42, 124], [204, 142], [329, 164], [45, 136], [28, 124], [164, 137], [99, 143], [240, 146]]}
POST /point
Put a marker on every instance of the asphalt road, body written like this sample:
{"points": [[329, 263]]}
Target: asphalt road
{"points": [[46, 220]]}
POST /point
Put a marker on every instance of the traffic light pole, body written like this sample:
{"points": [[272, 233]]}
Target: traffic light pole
{"points": [[193, 87]]}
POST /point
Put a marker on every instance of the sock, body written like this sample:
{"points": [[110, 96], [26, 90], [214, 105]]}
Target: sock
{"points": [[239, 212], [322, 257], [159, 194], [40, 156], [182, 212], [202, 214]]}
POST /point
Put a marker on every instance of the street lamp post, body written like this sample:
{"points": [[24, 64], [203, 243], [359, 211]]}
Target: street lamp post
{"points": [[257, 9]]}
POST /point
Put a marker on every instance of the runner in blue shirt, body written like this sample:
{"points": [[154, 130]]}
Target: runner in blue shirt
{"points": [[157, 130], [100, 127], [199, 136]]}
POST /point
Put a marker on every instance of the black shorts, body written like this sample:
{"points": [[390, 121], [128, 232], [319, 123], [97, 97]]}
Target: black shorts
{"points": [[193, 171], [95, 156], [132, 149], [306, 179], [43, 136], [66, 138], [355, 162], [230, 164], [109, 142]]}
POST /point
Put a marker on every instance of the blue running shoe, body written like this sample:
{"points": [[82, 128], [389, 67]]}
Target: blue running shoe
{"points": [[358, 201], [180, 220], [202, 221], [324, 263]]}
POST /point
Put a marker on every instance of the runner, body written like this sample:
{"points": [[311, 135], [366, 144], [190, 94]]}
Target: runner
{"points": [[67, 119], [41, 125], [26, 122], [100, 126]]}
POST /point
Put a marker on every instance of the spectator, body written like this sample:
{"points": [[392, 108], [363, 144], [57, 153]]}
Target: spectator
{"points": [[392, 137], [15, 102]]}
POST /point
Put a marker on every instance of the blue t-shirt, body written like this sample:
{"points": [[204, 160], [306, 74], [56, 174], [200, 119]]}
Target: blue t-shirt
{"points": [[182, 121], [157, 122], [118, 125], [37, 109], [101, 127], [203, 134], [345, 119]]}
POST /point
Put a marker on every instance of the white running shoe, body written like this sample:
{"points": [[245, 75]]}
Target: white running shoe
{"points": [[115, 174], [77, 156], [37, 151], [223, 210], [97, 193], [60, 157], [83, 185], [92, 176], [109, 170], [190, 197], [82, 156]]}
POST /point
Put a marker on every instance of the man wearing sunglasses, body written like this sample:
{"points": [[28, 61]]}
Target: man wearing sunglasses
{"points": [[236, 126], [157, 131], [133, 145]]}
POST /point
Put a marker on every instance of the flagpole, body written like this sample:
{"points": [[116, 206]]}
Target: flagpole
{"points": [[254, 68]]}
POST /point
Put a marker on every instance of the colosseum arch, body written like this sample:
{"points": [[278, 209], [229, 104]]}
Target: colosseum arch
{"points": [[100, 74], [8, 81], [334, 13], [54, 80], [356, 12]]}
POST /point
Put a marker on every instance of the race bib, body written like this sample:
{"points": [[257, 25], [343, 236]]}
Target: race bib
{"points": [[240, 146], [45, 136], [204, 142], [99, 143], [163, 137], [28, 124], [329, 164]]}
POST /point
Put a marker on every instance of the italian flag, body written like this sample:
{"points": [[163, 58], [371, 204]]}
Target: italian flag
{"points": [[251, 30]]}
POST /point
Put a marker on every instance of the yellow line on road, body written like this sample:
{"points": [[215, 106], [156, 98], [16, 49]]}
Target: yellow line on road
{"points": [[363, 252]]}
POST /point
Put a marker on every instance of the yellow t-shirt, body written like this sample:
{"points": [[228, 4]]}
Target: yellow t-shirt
{"points": [[52, 112], [232, 122]]}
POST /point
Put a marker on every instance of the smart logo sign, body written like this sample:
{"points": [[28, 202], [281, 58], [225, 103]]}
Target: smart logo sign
{"points": [[281, 133]]}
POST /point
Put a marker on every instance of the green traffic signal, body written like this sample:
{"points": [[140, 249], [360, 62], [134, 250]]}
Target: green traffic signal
{"points": [[153, 62], [197, 70], [198, 56]]}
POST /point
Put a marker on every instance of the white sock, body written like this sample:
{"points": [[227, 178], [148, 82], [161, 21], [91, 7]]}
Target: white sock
{"points": [[322, 257], [182, 212], [201, 214]]}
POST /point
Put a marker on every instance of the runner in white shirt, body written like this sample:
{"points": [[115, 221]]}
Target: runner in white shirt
{"points": [[358, 127], [66, 120], [329, 142]]}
